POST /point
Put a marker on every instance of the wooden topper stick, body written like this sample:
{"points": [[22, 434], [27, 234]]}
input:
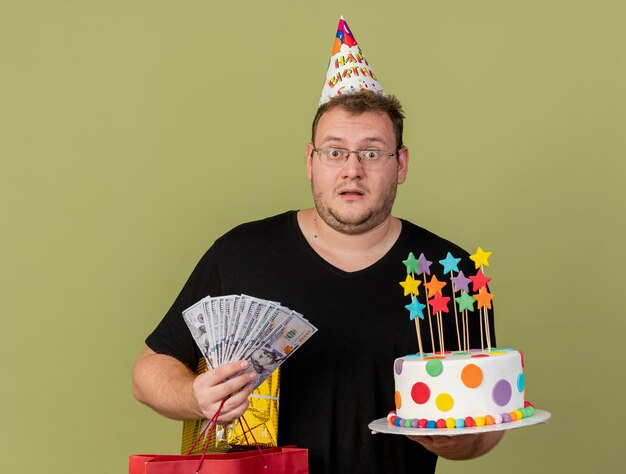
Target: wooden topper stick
{"points": [[464, 347], [417, 326], [440, 322], [487, 330], [430, 323], [456, 315], [485, 317], [482, 344], [419, 336], [467, 335], [432, 336]]}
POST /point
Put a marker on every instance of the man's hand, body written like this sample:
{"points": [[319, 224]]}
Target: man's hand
{"points": [[460, 447], [210, 388], [172, 389]]}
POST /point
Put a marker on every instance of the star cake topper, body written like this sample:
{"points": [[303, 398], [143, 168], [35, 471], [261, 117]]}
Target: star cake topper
{"points": [[480, 258], [410, 286], [450, 263]]}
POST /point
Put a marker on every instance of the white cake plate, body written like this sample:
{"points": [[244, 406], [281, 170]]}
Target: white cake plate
{"points": [[382, 426]]}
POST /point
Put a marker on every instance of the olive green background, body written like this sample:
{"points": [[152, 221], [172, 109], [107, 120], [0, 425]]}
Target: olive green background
{"points": [[133, 133]]}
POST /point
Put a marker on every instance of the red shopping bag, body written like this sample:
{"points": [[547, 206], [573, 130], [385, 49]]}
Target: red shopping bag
{"points": [[286, 460]]}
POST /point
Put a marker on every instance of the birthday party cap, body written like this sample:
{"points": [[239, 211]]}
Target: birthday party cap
{"points": [[348, 70]]}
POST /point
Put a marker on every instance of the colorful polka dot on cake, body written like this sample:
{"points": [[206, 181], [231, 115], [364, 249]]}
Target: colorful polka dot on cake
{"points": [[472, 376], [420, 393], [501, 393], [444, 401], [434, 367]]}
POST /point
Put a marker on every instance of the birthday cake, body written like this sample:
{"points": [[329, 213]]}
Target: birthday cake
{"points": [[456, 389], [460, 389]]}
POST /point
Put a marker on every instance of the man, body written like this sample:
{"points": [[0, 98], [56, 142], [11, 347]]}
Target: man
{"points": [[339, 264]]}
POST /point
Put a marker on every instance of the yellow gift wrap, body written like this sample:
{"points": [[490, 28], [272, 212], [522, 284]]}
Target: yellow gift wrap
{"points": [[261, 416]]}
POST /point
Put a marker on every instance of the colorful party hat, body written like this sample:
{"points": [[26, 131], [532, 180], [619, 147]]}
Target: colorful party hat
{"points": [[348, 70]]}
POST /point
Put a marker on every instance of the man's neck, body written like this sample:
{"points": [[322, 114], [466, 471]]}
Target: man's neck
{"points": [[348, 252]]}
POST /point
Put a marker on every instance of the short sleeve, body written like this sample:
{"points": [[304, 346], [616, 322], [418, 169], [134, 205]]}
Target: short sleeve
{"points": [[172, 336]]}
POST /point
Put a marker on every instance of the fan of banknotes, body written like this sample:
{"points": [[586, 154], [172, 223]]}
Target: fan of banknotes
{"points": [[234, 327]]}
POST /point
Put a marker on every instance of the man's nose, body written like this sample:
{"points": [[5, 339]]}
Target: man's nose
{"points": [[352, 167]]}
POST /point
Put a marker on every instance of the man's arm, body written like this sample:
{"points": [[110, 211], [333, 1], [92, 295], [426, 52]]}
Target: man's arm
{"points": [[173, 390], [460, 447]]}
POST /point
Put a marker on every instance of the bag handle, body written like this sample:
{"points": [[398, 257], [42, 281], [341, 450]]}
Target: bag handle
{"points": [[255, 441], [212, 424]]}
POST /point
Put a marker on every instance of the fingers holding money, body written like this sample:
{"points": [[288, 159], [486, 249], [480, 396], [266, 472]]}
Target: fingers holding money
{"points": [[227, 382]]}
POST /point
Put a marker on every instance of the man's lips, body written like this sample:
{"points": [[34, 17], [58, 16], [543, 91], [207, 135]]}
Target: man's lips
{"points": [[351, 192], [351, 195]]}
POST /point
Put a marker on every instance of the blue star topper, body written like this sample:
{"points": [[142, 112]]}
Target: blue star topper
{"points": [[450, 264], [415, 308]]}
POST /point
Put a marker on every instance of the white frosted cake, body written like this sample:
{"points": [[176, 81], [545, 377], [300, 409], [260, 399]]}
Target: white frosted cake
{"points": [[459, 389]]}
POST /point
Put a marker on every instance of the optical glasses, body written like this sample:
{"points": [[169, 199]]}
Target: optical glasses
{"points": [[369, 159]]}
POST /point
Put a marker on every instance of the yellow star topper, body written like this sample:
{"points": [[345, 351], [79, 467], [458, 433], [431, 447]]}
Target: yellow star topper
{"points": [[480, 258], [410, 286]]}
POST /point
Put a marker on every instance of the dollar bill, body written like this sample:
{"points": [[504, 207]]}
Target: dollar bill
{"points": [[234, 327]]}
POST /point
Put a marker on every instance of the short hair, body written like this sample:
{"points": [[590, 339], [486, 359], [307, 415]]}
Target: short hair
{"points": [[363, 101]]}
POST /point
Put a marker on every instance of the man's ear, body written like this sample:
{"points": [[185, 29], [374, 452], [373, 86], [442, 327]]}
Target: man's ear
{"points": [[403, 164], [309, 159]]}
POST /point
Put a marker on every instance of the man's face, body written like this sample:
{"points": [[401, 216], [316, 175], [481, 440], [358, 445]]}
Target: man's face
{"points": [[350, 199]]}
